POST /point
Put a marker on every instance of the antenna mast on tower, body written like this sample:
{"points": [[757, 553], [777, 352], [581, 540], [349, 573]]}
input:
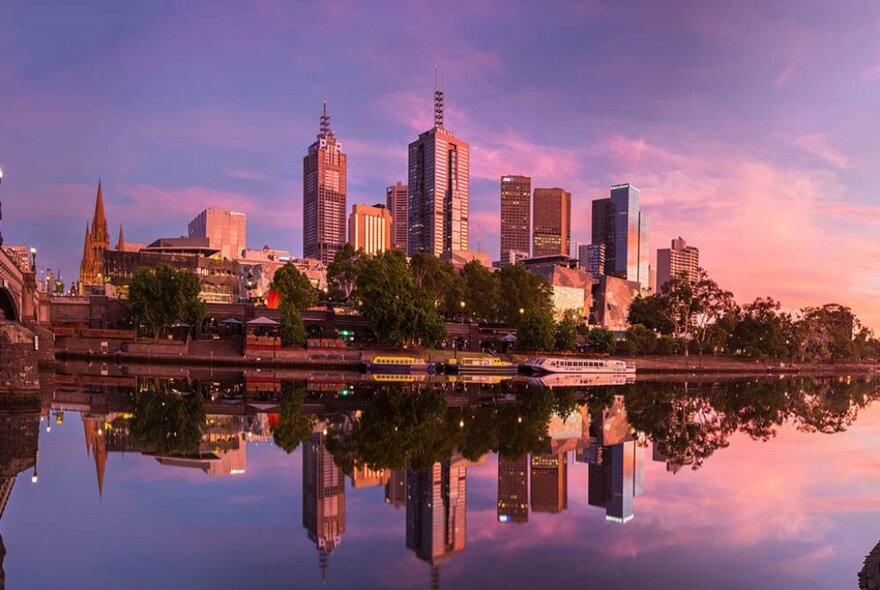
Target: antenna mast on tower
{"points": [[438, 97]]}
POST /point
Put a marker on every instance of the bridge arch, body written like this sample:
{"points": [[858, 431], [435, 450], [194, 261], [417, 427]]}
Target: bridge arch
{"points": [[8, 308]]}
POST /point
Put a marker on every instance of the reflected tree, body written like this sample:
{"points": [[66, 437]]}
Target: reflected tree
{"points": [[293, 427], [168, 423]]}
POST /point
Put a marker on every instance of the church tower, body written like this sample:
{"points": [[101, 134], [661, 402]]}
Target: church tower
{"points": [[91, 269]]}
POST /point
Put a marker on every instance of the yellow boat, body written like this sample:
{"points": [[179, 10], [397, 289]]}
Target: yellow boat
{"points": [[399, 364], [481, 366]]}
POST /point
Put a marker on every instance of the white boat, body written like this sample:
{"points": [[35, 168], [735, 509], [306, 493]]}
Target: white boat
{"points": [[551, 380], [564, 364]]}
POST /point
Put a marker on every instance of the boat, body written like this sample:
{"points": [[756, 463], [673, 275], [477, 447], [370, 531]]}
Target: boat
{"points": [[481, 366], [550, 364], [399, 364]]}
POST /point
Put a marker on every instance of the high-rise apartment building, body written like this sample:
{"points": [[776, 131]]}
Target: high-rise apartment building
{"points": [[324, 194], [369, 228], [549, 482], [438, 189], [436, 505], [513, 489], [225, 230], [619, 223], [552, 222], [516, 216], [396, 201], [678, 259]]}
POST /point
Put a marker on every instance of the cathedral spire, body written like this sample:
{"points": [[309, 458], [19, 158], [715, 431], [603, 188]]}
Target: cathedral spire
{"points": [[100, 235], [120, 243], [87, 247]]}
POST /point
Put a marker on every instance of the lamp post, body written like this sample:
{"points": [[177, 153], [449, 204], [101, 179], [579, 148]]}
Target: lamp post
{"points": [[462, 311], [34, 260]]}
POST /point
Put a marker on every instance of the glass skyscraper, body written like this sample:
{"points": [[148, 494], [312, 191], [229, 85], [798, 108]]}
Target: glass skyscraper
{"points": [[620, 224]]}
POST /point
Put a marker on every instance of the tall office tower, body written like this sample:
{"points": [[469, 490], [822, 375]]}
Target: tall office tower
{"points": [[395, 489], [591, 257], [513, 489], [678, 259], [323, 498], [436, 504], [369, 228], [396, 197], [324, 204], [619, 223], [549, 483], [552, 222], [616, 480], [516, 216], [97, 241], [225, 230], [438, 189]]}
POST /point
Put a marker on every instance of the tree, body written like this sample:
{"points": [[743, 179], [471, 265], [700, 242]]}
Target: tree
{"points": [[647, 311], [399, 310], [601, 340], [293, 331], [481, 291], [713, 304], [293, 427], [342, 272], [644, 341], [437, 278], [294, 287], [760, 329], [520, 291], [566, 333], [536, 331], [161, 295], [826, 333]]}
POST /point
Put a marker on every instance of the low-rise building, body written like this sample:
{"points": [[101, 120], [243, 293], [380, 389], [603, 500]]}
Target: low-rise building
{"points": [[459, 258], [613, 298]]}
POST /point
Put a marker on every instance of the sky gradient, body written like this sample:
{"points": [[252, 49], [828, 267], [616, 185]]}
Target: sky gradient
{"points": [[751, 128]]}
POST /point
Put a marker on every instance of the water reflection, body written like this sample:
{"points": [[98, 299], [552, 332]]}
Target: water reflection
{"points": [[418, 441]]}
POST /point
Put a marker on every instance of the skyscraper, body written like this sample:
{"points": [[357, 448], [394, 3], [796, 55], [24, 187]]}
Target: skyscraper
{"points": [[513, 489], [323, 498], [97, 241], [591, 257], [225, 230], [324, 190], [552, 221], [680, 258], [619, 223], [615, 480], [549, 482], [516, 215], [436, 504], [396, 197], [438, 188], [369, 228]]}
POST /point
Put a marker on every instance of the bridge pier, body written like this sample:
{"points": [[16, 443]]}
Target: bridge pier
{"points": [[19, 361]]}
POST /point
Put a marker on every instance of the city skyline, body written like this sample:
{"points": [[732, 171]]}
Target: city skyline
{"points": [[746, 136]]}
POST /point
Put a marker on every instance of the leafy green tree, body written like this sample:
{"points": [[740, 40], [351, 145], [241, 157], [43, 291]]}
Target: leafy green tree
{"points": [[713, 305], [647, 311], [481, 291], [644, 341], [536, 331], [294, 287], [293, 331], [161, 295], [293, 427], [825, 333], [342, 272], [399, 310], [522, 291], [602, 340], [168, 423], [761, 329], [566, 333], [437, 278]]}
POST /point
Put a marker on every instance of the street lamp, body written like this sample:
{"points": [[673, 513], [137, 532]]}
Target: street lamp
{"points": [[33, 259], [462, 311]]}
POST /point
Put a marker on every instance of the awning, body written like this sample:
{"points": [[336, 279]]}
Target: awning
{"points": [[262, 321]]}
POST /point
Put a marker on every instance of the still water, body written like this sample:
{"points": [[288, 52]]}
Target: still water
{"points": [[246, 481]]}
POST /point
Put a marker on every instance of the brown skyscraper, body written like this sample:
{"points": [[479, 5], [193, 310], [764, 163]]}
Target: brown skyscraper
{"points": [[552, 221], [516, 215], [549, 483], [324, 190], [97, 240], [438, 189], [513, 489], [396, 197]]}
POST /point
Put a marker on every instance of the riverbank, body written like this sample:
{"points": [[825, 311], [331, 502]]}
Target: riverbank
{"points": [[354, 358]]}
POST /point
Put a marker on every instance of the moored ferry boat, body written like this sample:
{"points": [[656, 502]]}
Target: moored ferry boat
{"points": [[399, 364], [563, 364], [552, 380], [481, 366]]}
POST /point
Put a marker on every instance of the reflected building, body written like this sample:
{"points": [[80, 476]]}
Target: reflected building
{"points": [[513, 489], [436, 513], [395, 489], [363, 476], [549, 485], [323, 496], [222, 450]]}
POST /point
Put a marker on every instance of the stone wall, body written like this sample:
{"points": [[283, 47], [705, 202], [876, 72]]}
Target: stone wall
{"points": [[18, 359]]}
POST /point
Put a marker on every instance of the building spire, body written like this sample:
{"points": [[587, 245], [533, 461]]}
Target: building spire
{"points": [[325, 130], [120, 243], [87, 248], [439, 107], [100, 235]]}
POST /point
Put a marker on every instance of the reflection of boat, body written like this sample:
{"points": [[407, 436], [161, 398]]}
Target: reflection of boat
{"points": [[576, 365], [487, 365], [482, 379], [397, 377], [399, 364], [581, 379]]}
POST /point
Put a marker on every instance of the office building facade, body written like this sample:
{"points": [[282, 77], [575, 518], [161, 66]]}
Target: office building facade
{"points": [[619, 223], [396, 201], [370, 228], [552, 222], [516, 216], [226, 231], [324, 195], [678, 259]]}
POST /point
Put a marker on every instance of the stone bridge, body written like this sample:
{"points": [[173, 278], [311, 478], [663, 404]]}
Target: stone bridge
{"points": [[20, 301]]}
